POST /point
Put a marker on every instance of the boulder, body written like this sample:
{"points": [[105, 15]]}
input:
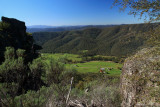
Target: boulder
{"points": [[15, 35], [17, 32], [140, 79]]}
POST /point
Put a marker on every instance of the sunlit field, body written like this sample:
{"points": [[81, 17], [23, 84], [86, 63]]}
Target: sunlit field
{"points": [[111, 68]]}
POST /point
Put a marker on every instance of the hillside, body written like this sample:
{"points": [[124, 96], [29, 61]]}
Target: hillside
{"points": [[117, 41]]}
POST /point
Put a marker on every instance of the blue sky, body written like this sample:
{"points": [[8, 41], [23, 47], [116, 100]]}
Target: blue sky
{"points": [[65, 12]]}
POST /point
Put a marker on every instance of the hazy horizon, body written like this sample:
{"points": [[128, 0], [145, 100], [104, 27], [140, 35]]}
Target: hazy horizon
{"points": [[50, 26]]}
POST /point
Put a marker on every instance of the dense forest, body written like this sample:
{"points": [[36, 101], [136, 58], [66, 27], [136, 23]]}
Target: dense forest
{"points": [[121, 40]]}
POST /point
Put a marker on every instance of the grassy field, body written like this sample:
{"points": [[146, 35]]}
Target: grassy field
{"points": [[87, 67], [94, 67], [72, 57]]}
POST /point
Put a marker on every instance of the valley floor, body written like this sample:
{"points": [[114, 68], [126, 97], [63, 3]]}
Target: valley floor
{"points": [[110, 67]]}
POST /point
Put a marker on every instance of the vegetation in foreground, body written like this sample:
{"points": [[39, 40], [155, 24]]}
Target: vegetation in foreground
{"points": [[26, 81], [52, 81]]}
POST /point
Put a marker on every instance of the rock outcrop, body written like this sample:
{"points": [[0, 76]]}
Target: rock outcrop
{"points": [[13, 33], [16, 33], [140, 80]]}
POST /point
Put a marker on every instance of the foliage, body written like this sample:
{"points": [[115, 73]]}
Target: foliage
{"points": [[37, 65], [37, 68], [108, 41], [98, 93], [41, 37], [149, 8], [53, 74], [55, 71], [13, 34], [64, 58], [4, 26], [59, 77], [13, 73], [33, 98], [105, 58], [154, 38], [13, 69], [16, 77]]}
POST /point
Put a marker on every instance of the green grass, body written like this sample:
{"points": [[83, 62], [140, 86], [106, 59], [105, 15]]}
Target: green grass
{"points": [[73, 57], [94, 67], [87, 67]]}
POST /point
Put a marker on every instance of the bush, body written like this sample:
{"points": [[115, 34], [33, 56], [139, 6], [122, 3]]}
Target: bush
{"points": [[4, 26], [33, 98], [37, 72], [98, 94], [17, 77]]}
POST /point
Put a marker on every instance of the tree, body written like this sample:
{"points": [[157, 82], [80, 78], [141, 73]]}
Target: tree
{"points": [[149, 8], [37, 68], [12, 73], [58, 77], [84, 54], [16, 77]]}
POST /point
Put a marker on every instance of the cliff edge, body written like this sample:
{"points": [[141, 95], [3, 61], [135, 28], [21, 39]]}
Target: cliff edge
{"points": [[140, 79], [13, 34]]}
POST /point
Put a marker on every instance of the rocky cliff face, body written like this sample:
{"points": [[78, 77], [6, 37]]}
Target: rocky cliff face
{"points": [[16, 32], [140, 80], [14, 35]]}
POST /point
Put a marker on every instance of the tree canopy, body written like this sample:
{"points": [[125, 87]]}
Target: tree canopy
{"points": [[149, 8]]}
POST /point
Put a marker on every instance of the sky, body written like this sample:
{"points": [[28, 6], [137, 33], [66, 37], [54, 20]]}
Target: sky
{"points": [[66, 12]]}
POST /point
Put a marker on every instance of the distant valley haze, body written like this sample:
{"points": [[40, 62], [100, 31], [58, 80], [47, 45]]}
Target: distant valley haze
{"points": [[44, 28], [47, 26]]}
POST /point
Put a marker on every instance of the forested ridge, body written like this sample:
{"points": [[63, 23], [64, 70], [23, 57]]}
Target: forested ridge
{"points": [[119, 40], [32, 29]]}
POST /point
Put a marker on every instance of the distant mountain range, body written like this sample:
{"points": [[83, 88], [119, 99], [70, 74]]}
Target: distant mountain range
{"points": [[44, 28], [41, 26], [119, 40]]}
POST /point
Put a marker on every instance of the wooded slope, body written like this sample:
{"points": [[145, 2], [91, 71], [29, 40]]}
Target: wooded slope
{"points": [[117, 41]]}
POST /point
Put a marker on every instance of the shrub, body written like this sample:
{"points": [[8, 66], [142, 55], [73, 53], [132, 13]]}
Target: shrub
{"points": [[37, 72], [33, 98], [4, 26], [98, 94]]}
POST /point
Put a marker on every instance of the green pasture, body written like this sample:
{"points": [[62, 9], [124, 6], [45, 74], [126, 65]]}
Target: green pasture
{"points": [[73, 57], [94, 67], [87, 67]]}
